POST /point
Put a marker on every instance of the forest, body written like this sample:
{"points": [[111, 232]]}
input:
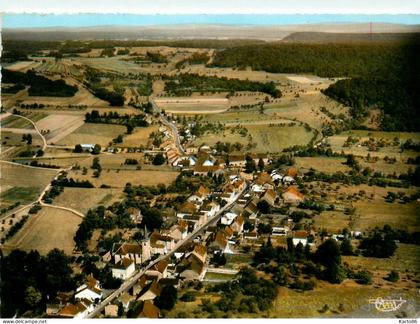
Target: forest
{"points": [[39, 85], [185, 83], [382, 75]]}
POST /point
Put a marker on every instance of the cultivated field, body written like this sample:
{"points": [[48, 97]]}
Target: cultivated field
{"points": [[139, 137], [59, 126], [267, 138], [119, 178], [93, 134], [196, 105], [83, 199], [50, 228], [322, 164]]}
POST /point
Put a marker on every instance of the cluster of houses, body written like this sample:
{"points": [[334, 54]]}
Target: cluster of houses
{"points": [[190, 261]]}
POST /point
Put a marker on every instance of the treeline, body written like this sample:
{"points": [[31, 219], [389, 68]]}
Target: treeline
{"points": [[397, 98], [114, 117], [13, 89], [30, 281], [383, 75], [114, 98], [185, 84], [196, 58], [75, 46], [39, 85]]}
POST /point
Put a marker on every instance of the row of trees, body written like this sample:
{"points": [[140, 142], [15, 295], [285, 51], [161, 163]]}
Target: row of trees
{"points": [[114, 117], [39, 85], [186, 83]]}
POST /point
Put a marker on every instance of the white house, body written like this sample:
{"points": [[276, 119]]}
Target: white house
{"points": [[228, 218], [300, 237], [124, 269], [90, 290]]}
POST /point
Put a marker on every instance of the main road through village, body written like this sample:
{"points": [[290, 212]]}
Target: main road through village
{"points": [[126, 285]]}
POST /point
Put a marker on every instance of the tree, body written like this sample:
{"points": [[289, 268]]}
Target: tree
{"points": [[328, 253], [29, 139], [32, 297], [351, 160], [264, 207], [39, 153], [335, 273], [250, 165], [364, 277], [130, 128], [78, 148], [167, 298], [159, 159], [261, 164], [96, 149], [346, 248], [393, 276], [152, 218]]}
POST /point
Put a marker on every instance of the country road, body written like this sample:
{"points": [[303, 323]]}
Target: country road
{"points": [[131, 281], [171, 125], [44, 141]]}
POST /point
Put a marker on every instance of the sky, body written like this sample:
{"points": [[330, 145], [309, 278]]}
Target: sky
{"points": [[213, 6], [60, 13]]}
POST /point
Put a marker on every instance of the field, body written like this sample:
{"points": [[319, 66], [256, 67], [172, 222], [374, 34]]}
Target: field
{"points": [[390, 150], [197, 105], [139, 137], [59, 126], [322, 164], [267, 139], [100, 134], [119, 178], [15, 122], [378, 213], [83, 199], [18, 176], [50, 228]]}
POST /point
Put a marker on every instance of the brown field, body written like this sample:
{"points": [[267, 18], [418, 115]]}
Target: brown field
{"points": [[378, 213], [20, 176], [139, 137], [93, 134], [322, 164], [50, 228], [59, 126], [83, 199], [268, 139], [193, 105], [119, 178]]}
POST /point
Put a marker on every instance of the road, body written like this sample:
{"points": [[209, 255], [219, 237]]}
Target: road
{"points": [[171, 125], [131, 281], [44, 141]]}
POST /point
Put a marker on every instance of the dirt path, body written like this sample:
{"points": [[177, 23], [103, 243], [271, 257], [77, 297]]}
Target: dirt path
{"points": [[44, 141]]}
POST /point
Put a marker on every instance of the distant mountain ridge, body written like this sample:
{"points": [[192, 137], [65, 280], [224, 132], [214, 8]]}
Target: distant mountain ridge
{"points": [[320, 38]]}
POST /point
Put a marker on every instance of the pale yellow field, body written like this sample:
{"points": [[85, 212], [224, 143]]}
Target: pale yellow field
{"points": [[322, 164], [83, 199], [119, 178], [139, 137], [50, 228], [93, 134]]}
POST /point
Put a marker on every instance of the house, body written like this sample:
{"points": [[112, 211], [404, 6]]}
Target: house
{"points": [[90, 290], [87, 147], [221, 243], [238, 225], [111, 310], [228, 218], [150, 292], [210, 208], [161, 244], [300, 237], [228, 232], [175, 282], [199, 196], [76, 311], [135, 215], [264, 180], [178, 231], [138, 253], [159, 270], [124, 269], [204, 170], [280, 231], [139, 286], [148, 310], [186, 209], [192, 267], [269, 196], [251, 210], [125, 298], [251, 235], [292, 196], [291, 172]]}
